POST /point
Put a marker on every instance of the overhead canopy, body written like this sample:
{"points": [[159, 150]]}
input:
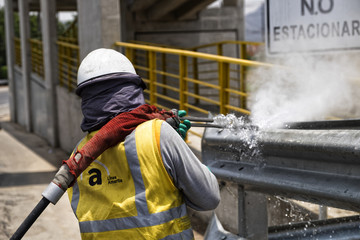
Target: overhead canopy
{"points": [[156, 10], [151, 10], [61, 5]]}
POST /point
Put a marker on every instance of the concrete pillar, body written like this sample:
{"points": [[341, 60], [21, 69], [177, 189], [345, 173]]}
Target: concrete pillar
{"points": [[10, 54], [48, 29], [99, 24], [127, 22], [25, 59], [241, 20]]}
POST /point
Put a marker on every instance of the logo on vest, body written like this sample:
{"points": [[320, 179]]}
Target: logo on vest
{"points": [[96, 178], [113, 179]]}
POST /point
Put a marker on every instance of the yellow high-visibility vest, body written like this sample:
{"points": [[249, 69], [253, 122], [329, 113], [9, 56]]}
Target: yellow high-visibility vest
{"points": [[126, 193]]}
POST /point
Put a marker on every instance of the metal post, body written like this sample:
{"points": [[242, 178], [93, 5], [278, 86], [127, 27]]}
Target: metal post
{"points": [[61, 64], [224, 78], [164, 78], [219, 49], [183, 83], [243, 101], [196, 76], [220, 53], [252, 215], [323, 213], [68, 67], [152, 76], [129, 52]]}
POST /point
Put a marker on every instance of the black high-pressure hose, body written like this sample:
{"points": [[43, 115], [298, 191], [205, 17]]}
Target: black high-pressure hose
{"points": [[52, 194], [28, 222]]}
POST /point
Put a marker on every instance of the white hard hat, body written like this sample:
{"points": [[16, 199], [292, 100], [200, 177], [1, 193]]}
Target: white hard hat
{"points": [[103, 61]]}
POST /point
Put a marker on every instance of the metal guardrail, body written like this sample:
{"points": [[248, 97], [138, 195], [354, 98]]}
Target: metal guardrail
{"points": [[68, 63], [37, 62], [180, 87], [317, 166]]}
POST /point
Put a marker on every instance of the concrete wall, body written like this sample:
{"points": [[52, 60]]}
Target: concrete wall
{"points": [[69, 118], [212, 25], [19, 96], [69, 111], [38, 105], [39, 113]]}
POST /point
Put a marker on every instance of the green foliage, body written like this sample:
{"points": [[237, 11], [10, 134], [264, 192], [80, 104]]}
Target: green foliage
{"points": [[35, 27], [2, 39], [3, 72], [35, 30]]}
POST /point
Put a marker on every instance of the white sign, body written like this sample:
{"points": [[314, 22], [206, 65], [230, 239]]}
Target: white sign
{"points": [[312, 25]]}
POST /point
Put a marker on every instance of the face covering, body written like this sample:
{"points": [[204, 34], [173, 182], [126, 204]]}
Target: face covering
{"points": [[105, 97]]}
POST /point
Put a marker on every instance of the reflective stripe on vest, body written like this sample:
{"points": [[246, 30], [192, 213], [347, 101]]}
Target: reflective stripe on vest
{"points": [[164, 218], [130, 222]]}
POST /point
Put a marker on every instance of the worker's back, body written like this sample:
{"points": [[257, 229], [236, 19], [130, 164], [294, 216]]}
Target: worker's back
{"points": [[127, 193]]}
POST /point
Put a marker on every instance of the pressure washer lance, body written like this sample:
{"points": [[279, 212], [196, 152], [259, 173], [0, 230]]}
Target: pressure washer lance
{"points": [[208, 123], [201, 122]]}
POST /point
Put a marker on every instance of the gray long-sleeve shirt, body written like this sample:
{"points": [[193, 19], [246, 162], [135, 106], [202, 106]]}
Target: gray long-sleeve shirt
{"points": [[194, 179]]}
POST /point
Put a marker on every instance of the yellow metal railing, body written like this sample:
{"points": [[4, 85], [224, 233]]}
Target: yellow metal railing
{"points": [[68, 39], [70, 35], [184, 89], [205, 70], [17, 46], [245, 47], [37, 62], [68, 63], [238, 49]]}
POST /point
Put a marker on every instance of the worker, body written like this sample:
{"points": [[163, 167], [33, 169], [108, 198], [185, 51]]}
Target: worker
{"points": [[140, 186]]}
